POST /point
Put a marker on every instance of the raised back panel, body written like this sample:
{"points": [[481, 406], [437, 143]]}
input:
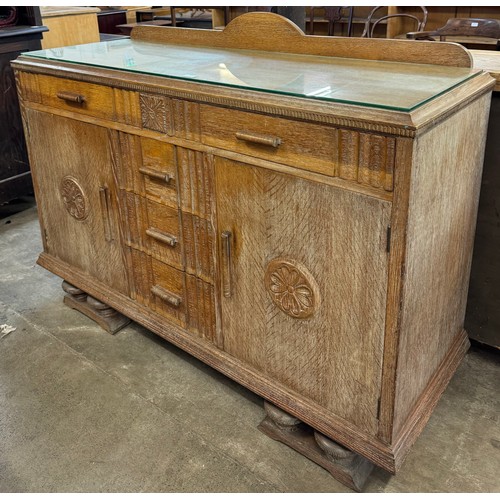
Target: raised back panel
{"points": [[274, 33]]}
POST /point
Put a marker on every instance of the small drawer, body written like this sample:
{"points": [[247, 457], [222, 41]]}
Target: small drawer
{"points": [[79, 97], [162, 234], [167, 290], [299, 144], [159, 171], [182, 298]]}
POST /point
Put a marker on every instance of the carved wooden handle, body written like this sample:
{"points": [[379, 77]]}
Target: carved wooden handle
{"points": [[71, 97], [104, 195], [169, 297], [167, 238], [227, 241], [266, 140], [155, 174]]}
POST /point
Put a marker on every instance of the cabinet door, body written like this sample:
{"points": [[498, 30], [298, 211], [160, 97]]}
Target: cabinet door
{"points": [[304, 280], [73, 177]]}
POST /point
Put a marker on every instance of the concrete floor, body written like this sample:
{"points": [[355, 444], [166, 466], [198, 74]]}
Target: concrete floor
{"points": [[81, 410]]}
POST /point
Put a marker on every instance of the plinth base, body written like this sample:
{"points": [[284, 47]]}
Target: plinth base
{"points": [[106, 317], [345, 466]]}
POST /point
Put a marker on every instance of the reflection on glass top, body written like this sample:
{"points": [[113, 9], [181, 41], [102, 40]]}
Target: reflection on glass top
{"points": [[381, 84]]}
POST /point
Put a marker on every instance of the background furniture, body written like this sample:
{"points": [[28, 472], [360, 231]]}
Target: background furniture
{"points": [[332, 15], [351, 22], [438, 16], [131, 12], [182, 15], [108, 21], [194, 17], [69, 26], [316, 252], [372, 22], [126, 29], [150, 14], [24, 35], [471, 32], [483, 314]]}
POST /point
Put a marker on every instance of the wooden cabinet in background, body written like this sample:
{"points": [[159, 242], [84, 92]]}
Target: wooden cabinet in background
{"points": [[307, 234], [23, 35], [69, 26]]}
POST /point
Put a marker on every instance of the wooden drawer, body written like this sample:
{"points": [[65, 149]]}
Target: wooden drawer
{"points": [[299, 144], [167, 289], [162, 234], [185, 299], [79, 97], [159, 170], [182, 298], [153, 228], [158, 286]]}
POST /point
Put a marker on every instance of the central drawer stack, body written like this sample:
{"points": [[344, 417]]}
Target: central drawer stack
{"points": [[168, 233]]}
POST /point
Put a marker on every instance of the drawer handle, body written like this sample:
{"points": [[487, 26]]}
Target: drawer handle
{"points": [[71, 97], [105, 202], [165, 295], [266, 140], [162, 176], [167, 238], [227, 241]]}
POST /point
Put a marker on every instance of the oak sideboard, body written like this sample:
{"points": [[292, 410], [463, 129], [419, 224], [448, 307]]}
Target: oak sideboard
{"points": [[297, 212]]}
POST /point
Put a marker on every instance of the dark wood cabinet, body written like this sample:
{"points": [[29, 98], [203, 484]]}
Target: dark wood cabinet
{"points": [[15, 177], [483, 316], [108, 21]]}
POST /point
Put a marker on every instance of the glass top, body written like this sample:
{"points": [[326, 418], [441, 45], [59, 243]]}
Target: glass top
{"points": [[381, 84]]}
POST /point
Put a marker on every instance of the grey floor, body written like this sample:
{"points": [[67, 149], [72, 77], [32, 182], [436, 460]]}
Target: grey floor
{"points": [[81, 410]]}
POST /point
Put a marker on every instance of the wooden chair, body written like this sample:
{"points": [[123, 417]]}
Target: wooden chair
{"points": [[464, 28], [371, 24], [333, 15]]}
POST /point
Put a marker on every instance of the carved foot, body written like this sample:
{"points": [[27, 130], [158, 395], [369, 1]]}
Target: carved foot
{"points": [[75, 293], [354, 467], [344, 465], [280, 418], [106, 317]]}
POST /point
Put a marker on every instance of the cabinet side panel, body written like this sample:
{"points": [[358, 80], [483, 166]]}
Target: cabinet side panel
{"points": [[442, 216]]}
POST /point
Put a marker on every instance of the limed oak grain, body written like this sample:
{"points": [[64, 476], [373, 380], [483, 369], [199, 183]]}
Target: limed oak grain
{"points": [[315, 252]]}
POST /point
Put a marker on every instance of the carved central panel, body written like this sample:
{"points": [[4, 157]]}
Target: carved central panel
{"points": [[292, 288], [155, 113], [74, 198]]}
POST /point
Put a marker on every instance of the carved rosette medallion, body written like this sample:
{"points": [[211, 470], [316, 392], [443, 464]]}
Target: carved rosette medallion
{"points": [[74, 198], [292, 288]]}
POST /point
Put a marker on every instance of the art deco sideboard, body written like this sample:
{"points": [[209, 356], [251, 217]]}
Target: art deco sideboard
{"points": [[297, 212]]}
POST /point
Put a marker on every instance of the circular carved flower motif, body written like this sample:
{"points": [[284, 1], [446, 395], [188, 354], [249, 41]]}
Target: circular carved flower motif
{"points": [[74, 198], [292, 288]]}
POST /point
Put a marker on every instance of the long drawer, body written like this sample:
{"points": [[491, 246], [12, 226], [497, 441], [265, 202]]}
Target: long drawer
{"points": [[79, 97], [305, 145]]}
